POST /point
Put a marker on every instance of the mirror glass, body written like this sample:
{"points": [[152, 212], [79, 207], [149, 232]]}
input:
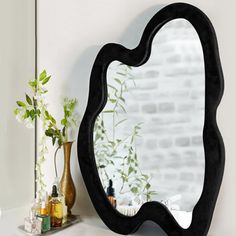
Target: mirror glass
{"points": [[148, 140]]}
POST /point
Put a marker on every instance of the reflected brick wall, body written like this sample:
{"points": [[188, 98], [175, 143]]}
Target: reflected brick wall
{"points": [[169, 99]]}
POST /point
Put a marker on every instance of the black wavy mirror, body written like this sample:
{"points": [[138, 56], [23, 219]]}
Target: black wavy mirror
{"points": [[149, 147], [148, 137]]}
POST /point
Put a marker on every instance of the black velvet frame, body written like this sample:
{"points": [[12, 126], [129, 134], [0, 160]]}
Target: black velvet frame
{"points": [[213, 144]]}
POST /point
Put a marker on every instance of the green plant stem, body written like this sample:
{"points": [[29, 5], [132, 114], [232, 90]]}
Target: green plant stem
{"points": [[55, 163]]}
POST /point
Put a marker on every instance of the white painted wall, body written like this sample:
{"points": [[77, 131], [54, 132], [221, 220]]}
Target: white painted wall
{"points": [[17, 67], [72, 32]]}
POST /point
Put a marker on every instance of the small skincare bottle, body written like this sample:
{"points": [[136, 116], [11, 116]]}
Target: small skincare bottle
{"points": [[32, 224], [44, 217], [45, 198], [61, 198], [111, 194], [36, 205], [56, 209]]}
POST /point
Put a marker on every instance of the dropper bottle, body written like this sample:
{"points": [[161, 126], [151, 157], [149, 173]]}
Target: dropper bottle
{"points": [[56, 209], [111, 194]]}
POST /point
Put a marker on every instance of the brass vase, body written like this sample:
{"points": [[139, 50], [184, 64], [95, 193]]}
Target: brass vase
{"points": [[66, 183]]}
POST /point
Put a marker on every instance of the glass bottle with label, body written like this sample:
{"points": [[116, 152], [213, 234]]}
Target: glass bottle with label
{"points": [[44, 217], [56, 208]]}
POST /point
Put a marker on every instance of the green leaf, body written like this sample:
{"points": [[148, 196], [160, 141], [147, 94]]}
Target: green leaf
{"points": [[16, 111], [27, 114], [112, 100], [67, 113], [134, 190], [131, 169], [52, 119], [35, 103], [45, 91], [20, 104], [46, 114], [63, 122], [122, 99], [145, 176], [153, 193], [147, 186], [46, 80], [38, 112], [49, 132], [53, 140], [43, 75], [33, 83], [28, 99], [121, 121], [117, 80], [97, 136], [60, 142], [108, 111], [112, 162], [120, 73], [32, 114], [122, 107], [64, 131]]}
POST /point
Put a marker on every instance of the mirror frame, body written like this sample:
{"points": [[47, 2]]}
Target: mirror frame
{"points": [[213, 143]]}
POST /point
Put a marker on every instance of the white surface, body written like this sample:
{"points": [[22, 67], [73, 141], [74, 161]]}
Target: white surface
{"points": [[17, 67], [11, 219], [70, 38]]}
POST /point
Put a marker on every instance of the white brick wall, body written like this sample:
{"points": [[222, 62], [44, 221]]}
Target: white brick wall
{"points": [[169, 99]]}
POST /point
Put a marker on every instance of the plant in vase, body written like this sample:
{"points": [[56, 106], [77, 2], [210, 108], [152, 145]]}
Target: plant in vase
{"points": [[35, 106], [60, 137]]}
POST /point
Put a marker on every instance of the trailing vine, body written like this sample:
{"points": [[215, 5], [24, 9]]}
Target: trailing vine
{"points": [[116, 156]]}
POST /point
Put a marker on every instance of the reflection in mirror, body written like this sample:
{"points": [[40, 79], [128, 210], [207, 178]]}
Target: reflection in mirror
{"points": [[148, 139]]}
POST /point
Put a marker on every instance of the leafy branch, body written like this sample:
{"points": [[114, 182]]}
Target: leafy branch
{"points": [[35, 106], [111, 149]]}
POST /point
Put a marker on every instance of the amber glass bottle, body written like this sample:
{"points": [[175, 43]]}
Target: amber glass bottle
{"points": [[111, 194], [56, 209]]}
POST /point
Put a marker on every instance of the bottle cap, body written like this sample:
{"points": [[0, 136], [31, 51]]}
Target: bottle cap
{"points": [[57, 183], [54, 191], [110, 189], [43, 204]]}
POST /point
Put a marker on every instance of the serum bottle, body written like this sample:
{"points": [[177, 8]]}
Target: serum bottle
{"points": [[56, 208], [44, 217], [111, 194]]}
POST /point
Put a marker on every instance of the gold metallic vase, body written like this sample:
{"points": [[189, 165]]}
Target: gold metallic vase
{"points": [[66, 183]]}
